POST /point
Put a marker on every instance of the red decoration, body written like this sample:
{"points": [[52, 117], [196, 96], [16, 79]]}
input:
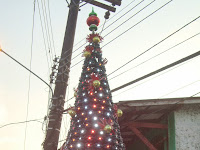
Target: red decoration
{"points": [[93, 20], [115, 110], [89, 48], [91, 36], [90, 82]]}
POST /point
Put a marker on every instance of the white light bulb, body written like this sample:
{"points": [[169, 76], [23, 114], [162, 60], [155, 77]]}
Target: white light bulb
{"points": [[85, 100], [86, 107], [109, 139], [78, 145], [82, 131], [108, 114], [100, 94], [90, 112], [101, 132], [95, 118], [96, 125], [98, 145]]}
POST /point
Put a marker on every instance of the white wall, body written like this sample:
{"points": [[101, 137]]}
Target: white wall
{"points": [[187, 127]]}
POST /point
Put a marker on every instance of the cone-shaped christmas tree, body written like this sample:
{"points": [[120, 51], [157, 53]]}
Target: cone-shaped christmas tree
{"points": [[94, 123]]}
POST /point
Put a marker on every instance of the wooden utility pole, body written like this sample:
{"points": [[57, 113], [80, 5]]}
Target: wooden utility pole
{"points": [[56, 110], [57, 103]]}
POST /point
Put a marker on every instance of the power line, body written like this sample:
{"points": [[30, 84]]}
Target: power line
{"points": [[179, 88], [51, 27], [126, 14], [46, 31], [110, 25], [102, 28], [122, 34], [154, 44], [195, 94], [118, 35], [43, 37], [131, 17], [29, 82], [152, 78], [156, 55], [14, 123], [107, 21], [121, 10], [157, 71]]}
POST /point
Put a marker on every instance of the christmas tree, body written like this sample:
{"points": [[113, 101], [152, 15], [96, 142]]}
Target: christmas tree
{"points": [[94, 123]]}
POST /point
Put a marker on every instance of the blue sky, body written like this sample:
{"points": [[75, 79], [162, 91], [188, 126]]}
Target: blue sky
{"points": [[15, 39]]}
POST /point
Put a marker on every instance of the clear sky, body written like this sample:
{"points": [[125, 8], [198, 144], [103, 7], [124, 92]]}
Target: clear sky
{"points": [[16, 19]]}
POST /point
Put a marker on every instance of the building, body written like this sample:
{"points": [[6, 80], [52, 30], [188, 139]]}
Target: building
{"points": [[161, 124]]}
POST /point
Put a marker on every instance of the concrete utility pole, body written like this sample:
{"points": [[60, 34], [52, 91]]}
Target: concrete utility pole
{"points": [[56, 110]]}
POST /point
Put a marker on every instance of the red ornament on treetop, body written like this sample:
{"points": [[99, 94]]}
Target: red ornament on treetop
{"points": [[93, 19]]}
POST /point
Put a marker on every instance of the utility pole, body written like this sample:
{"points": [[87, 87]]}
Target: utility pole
{"points": [[56, 110], [57, 103]]}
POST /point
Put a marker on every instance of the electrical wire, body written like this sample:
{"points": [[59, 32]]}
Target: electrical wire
{"points": [[46, 31], [179, 88], [29, 81], [107, 27], [85, 3], [156, 55], [102, 29], [121, 10], [163, 68], [51, 29], [127, 31], [107, 21], [154, 44], [150, 47], [129, 17], [44, 41], [127, 13], [151, 78], [195, 94], [67, 2], [14, 123]]}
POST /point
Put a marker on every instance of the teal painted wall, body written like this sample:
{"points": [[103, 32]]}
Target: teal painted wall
{"points": [[171, 132]]}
